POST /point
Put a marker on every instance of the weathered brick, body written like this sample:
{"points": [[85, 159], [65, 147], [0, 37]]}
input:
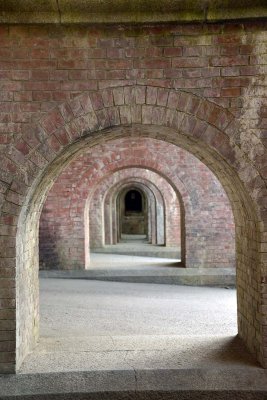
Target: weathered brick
{"points": [[140, 93], [107, 96], [52, 122], [189, 62], [78, 85], [114, 116], [229, 61], [66, 112], [152, 63], [151, 95], [118, 96], [231, 92], [173, 51], [162, 97], [125, 115], [41, 96], [173, 100]]}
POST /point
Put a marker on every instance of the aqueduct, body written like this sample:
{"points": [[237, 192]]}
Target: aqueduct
{"points": [[204, 129]]}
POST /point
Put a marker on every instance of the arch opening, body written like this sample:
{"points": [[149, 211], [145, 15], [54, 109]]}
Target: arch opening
{"points": [[133, 202], [156, 207], [133, 215], [247, 213], [164, 207]]}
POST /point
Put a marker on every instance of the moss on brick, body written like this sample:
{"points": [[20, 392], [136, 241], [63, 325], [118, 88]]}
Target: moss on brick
{"points": [[124, 11]]}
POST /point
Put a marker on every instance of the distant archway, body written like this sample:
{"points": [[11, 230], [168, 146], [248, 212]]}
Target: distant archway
{"points": [[157, 231], [102, 209], [134, 201], [132, 212]]}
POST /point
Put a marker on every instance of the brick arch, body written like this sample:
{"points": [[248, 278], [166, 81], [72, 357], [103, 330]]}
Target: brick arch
{"points": [[163, 215], [103, 198], [109, 202], [161, 190], [149, 193], [98, 223], [205, 129], [71, 242], [145, 153], [145, 194]]}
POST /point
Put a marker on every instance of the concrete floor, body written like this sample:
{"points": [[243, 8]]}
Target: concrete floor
{"points": [[124, 338], [128, 262], [95, 326], [137, 247]]}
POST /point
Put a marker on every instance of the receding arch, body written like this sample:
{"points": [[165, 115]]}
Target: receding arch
{"points": [[103, 223], [201, 127], [109, 201], [153, 161], [127, 209], [105, 193], [133, 201], [85, 180], [159, 204]]}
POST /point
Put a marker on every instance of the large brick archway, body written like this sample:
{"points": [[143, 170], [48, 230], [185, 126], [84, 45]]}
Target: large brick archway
{"points": [[201, 127]]}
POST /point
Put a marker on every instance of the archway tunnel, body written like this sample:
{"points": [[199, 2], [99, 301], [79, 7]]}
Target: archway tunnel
{"points": [[197, 216], [133, 213], [210, 144]]}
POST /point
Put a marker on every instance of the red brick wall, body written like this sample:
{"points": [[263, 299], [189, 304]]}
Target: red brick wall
{"points": [[42, 71], [208, 222], [41, 67]]}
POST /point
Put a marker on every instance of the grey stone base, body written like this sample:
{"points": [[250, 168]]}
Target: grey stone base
{"points": [[141, 251], [166, 275], [246, 383]]}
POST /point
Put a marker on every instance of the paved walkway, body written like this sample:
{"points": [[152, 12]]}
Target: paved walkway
{"points": [[117, 261], [93, 326]]}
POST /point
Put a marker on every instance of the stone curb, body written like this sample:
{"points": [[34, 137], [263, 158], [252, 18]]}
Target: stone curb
{"points": [[249, 383]]}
